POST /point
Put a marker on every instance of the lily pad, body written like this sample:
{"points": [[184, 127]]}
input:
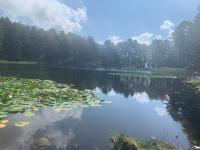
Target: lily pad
{"points": [[29, 114], [22, 124], [3, 116]]}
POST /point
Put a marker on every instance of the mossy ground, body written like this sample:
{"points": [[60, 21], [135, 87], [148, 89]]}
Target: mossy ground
{"points": [[128, 143]]}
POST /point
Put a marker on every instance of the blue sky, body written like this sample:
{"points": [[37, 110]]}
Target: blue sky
{"points": [[103, 18], [127, 18]]}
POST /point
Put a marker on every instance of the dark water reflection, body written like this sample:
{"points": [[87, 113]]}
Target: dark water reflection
{"points": [[163, 108]]}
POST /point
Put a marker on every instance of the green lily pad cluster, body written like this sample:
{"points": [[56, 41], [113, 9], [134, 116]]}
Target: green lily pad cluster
{"points": [[29, 95]]}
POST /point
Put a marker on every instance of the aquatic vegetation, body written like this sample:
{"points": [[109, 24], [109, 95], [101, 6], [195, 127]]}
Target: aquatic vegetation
{"points": [[22, 124], [3, 115], [29, 114], [28, 96], [129, 143]]}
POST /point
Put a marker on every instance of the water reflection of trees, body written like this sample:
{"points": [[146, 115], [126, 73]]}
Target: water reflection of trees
{"points": [[184, 107]]}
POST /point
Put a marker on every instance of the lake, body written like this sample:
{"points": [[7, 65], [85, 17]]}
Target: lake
{"points": [[141, 107]]}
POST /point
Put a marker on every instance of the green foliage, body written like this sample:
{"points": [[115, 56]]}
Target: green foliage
{"points": [[23, 43]]}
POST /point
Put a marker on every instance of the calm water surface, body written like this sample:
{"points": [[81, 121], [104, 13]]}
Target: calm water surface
{"points": [[143, 108]]}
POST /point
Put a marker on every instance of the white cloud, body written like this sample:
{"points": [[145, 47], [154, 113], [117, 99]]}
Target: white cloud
{"points": [[160, 111], [146, 38], [115, 39], [45, 14], [168, 26]]}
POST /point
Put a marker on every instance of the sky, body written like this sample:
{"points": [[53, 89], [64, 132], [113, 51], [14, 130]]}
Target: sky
{"points": [[116, 20]]}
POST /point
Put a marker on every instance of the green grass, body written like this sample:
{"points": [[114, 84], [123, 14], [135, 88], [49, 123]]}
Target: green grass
{"points": [[160, 69], [27, 95], [171, 71], [154, 73], [129, 143], [140, 75]]}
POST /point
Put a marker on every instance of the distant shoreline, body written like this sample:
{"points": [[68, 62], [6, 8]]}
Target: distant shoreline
{"points": [[18, 62], [163, 70]]}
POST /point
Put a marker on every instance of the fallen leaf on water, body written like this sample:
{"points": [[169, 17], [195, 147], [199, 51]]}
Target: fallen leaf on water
{"points": [[2, 125]]}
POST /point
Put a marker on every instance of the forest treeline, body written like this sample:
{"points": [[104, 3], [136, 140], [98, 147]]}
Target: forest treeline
{"points": [[27, 43]]}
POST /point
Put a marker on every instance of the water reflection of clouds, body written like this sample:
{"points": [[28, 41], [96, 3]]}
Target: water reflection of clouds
{"points": [[111, 93], [142, 98], [58, 139], [160, 111], [44, 122]]}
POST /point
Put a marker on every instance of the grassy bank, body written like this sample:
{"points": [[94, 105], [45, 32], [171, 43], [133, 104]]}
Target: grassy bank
{"points": [[128, 143], [140, 75], [153, 73], [195, 83]]}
